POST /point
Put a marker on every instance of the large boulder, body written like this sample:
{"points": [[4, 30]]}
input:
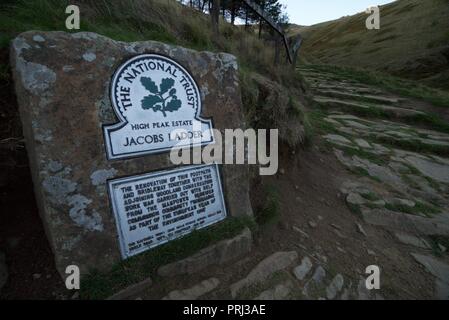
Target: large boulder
{"points": [[62, 82]]}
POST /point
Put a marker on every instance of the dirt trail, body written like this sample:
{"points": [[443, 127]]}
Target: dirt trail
{"points": [[373, 190], [358, 197]]}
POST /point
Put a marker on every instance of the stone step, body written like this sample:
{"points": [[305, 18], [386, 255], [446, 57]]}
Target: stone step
{"points": [[341, 87], [359, 97], [218, 254], [394, 112], [396, 221], [194, 292], [266, 268]]}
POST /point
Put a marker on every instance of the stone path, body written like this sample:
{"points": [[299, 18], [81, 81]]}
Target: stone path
{"points": [[401, 170], [399, 186]]}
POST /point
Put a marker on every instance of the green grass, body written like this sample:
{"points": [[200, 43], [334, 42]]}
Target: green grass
{"points": [[432, 121], [415, 146], [374, 158], [371, 196], [100, 285], [318, 123], [419, 208], [394, 84]]}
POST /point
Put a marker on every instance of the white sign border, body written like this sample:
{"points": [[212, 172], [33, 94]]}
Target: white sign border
{"points": [[108, 128], [124, 252]]}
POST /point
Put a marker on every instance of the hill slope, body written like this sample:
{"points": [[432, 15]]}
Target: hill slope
{"points": [[413, 41]]}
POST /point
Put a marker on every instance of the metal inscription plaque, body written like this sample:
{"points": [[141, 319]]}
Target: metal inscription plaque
{"points": [[155, 208]]}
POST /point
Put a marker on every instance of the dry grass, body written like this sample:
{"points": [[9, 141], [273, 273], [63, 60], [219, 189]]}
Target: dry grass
{"points": [[136, 20]]}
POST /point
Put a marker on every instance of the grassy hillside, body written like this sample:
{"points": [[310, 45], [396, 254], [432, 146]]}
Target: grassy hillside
{"points": [[413, 41], [135, 20], [169, 22]]}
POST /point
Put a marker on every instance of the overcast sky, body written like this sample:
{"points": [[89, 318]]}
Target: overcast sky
{"points": [[308, 12]]}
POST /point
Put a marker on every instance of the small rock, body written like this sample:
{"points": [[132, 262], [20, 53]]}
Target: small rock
{"points": [[282, 171], [339, 234], [362, 292], [281, 292], [360, 229], [337, 139], [336, 226], [341, 250], [320, 218], [319, 274], [297, 187], [312, 224], [378, 203], [303, 269], [335, 287], [355, 199], [371, 252], [37, 276], [362, 143], [302, 233], [401, 202], [442, 248]]}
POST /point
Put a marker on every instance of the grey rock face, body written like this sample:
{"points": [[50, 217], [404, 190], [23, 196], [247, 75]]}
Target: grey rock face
{"points": [[62, 84]]}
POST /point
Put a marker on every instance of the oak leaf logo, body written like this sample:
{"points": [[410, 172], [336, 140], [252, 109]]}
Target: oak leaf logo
{"points": [[162, 98]]}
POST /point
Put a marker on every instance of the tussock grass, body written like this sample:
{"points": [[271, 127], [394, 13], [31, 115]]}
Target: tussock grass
{"points": [[138, 20]]}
